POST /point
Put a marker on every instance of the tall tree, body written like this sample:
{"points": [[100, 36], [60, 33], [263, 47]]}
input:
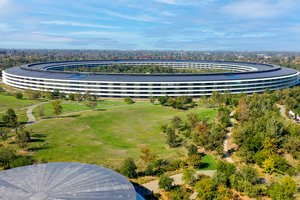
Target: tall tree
{"points": [[10, 119], [57, 107]]}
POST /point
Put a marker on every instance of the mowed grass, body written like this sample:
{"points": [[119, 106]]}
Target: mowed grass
{"points": [[8, 101], [73, 106], [110, 135]]}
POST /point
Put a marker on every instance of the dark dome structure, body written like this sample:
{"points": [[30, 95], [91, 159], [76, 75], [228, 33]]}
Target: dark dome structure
{"points": [[64, 181]]}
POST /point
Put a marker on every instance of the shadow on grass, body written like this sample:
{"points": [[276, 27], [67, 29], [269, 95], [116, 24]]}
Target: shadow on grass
{"points": [[39, 135], [100, 109], [70, 116], [204, 165], [37, 140], [38, 148]]}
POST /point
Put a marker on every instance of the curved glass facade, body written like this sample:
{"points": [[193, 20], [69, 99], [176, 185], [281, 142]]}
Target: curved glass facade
{"points": [[247, 78]]}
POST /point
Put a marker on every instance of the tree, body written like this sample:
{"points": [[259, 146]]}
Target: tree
{"points": [[71, 97], [152, 99], [189, 176], [176, 122], [91, 104], [180, 193], [204, 189], [57, 107], [129, 168], [165, 182], [78, 97], [249, 174], [224, 193], [216, 98], [3, 135], [284, 190], [194, 160], [147, 156], [192, 150], [23, 137], [162, 100], [10, 119], [193, 119], [33, 95], [41, 111], [243, 110], [19, 95], [128, 100], [171, 138], [7, 155]]}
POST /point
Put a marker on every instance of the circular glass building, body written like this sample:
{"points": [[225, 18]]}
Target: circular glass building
{"points": [[233, 77], [64, 181]]}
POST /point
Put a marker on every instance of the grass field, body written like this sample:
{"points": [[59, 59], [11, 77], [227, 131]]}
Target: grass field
{"points": [[107, 136], [73, 106], [8, 101]]}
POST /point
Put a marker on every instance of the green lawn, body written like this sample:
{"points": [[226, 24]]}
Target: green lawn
{"points": [[7, 101], [73, 106], [108, 135], [208, 162]]}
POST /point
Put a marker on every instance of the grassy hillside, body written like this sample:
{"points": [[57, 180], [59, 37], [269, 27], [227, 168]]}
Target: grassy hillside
{"points": [[107, 136]]}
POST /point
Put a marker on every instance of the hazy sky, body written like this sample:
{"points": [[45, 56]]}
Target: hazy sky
{"points": [[151, 24]]}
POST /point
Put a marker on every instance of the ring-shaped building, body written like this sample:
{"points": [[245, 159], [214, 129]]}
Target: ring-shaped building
{"points": [[237, 77]]}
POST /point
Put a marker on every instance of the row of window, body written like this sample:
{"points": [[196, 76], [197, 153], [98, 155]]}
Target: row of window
{"points": [[147, 85]]}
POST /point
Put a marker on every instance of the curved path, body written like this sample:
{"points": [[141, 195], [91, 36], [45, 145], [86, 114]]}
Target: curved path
{"points": [[282, 111], [153, 185], [29, 112]]}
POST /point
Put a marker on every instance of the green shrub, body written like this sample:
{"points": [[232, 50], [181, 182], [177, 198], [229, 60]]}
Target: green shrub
{"points": [[128, 100]]}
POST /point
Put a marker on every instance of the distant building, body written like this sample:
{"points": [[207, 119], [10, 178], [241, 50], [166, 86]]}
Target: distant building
{"points": [[64, 181], [240, 77]]}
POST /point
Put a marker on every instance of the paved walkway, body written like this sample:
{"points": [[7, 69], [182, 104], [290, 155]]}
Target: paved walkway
{"points": [[29, 113], [227, 138], [153, 185], [282, 111]]}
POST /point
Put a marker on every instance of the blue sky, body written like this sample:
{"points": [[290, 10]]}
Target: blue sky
{"points": [[245, 25]]}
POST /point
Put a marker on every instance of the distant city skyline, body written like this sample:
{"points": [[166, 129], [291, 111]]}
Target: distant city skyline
{"points": [[208, 25]]}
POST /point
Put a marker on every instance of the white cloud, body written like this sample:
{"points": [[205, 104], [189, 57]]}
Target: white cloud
{"points": [[177, 2], [258, 9], [145, 18], [70, 23]]}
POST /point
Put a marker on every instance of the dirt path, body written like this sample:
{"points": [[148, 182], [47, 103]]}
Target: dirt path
{"points": [[153, 185]]}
